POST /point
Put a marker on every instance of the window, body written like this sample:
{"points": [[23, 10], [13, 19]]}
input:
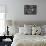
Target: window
{"points": [[2, 19]]}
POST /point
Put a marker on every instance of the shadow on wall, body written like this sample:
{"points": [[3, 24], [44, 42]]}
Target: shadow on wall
{"points": [[21, 23]]}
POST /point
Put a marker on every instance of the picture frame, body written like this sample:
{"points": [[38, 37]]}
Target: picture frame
{"points": [[30, 9]]}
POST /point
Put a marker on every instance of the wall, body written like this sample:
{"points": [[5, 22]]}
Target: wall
{"points": [[15, 9], [41, 11]]}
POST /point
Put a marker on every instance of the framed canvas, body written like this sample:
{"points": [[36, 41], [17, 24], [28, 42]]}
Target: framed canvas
{"points": [[30, 9]]}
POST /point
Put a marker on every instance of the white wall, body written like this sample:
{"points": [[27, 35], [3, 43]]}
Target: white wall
{"points": [[41, 10], [15, 9]]}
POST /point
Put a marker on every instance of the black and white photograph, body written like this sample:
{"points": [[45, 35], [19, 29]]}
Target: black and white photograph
{"points": [[30, 9], [22, 23]]}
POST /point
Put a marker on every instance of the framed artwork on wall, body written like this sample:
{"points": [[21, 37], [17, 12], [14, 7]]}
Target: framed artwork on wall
{"points": [[30, 9]]}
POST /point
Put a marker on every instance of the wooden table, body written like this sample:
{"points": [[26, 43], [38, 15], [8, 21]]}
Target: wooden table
{"points": [[4, 37], [5, 43]]}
